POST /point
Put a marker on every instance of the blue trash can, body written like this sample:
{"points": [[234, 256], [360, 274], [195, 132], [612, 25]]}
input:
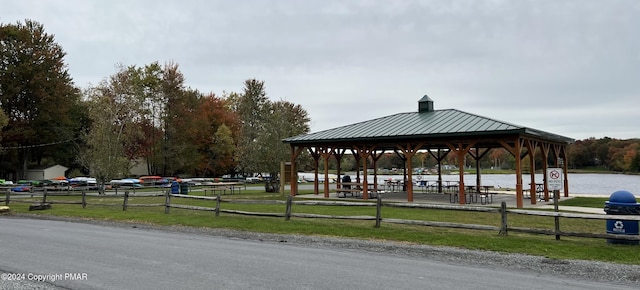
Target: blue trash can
{"points": [[175, 187], [622, 203]]}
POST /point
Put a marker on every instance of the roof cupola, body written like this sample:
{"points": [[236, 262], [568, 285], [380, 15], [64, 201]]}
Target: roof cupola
{"points": [[425, 105]]}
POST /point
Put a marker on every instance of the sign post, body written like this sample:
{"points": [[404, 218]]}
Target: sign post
{"points": [[555, 183]]}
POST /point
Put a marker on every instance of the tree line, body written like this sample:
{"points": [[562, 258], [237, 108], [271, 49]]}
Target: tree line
{"points": [[605, 154], [142, 115]]}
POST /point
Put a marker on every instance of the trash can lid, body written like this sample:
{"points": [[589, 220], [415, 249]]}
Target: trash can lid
{"points": [[622, 196]]}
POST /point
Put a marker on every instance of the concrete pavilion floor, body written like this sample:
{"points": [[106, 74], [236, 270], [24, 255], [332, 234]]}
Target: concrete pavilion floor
{"points": [[445, 198]]}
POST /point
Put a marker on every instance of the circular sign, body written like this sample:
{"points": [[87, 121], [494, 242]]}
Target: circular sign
{"points": [[554, 178]]}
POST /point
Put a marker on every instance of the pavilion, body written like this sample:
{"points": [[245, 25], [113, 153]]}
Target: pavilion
{"points": [[438, 132]]}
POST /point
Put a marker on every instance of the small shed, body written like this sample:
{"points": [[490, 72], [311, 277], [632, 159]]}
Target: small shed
{"points": [[46, 172]]}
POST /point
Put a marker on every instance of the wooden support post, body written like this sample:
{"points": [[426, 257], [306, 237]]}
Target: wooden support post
{"points": [[531, 151], [503, 223], [7, 197], [167, 202], [461, 150], [519, 194], [125, 202], [287, 214], [408, 152], [545, 147], [325, 153], [556, 196], [338, 153], [439, 158], [44, 196], [376, 156], [295, 152], [315, 153], [477, 156], [378, 210], [565, 170], [365, 183], [516, 150], [84, 199], [218, 205]]}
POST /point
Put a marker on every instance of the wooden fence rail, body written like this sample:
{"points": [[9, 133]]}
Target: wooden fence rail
{"points": [[503, 229], [45, 199], [503, 212]]}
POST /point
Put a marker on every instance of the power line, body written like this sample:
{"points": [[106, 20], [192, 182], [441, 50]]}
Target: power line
{"points": [[37, 145]]}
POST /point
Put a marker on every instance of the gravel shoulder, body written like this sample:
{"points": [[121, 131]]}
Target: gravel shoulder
{"points": [[575, 269]]}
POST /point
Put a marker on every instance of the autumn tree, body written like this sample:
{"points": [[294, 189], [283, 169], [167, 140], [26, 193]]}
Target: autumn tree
{"points": [[146, 84], [622, 154], [175, 130], [161, 119], [634, 162], [580, 155], [606, 153], [215, 137], [38, 96], [220, 160]]}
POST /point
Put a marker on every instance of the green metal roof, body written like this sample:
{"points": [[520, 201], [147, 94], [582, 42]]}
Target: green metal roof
{"points": [[436, 124]]}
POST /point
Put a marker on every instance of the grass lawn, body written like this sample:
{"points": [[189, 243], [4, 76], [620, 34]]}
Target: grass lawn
{"points": [[110, 208], [595, 202]]}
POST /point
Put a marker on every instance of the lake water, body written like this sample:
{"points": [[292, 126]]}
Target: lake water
{"points": [[597, 184]]}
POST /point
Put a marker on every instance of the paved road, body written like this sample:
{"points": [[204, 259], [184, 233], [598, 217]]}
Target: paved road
{"points": [[104, 257]]}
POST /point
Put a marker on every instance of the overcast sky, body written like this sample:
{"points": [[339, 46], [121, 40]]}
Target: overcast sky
{"points": [[565, 67]]}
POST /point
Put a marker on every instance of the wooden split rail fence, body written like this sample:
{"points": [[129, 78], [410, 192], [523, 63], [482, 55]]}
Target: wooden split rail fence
{"points": [[45, 198], [502, 211]]}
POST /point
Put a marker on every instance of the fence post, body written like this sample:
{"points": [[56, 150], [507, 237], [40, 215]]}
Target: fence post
{"points": [[503, 223], [44, 196], [218, 205], [287, 214], [7, 197], [126, 200], [167, 202], [84, 199], [556, 196], [378, 210]]}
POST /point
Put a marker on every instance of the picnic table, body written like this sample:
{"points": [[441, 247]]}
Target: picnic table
{"points": [[539, 190], [393, 185], [222, 187], [473, 193], [354, 189]]}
